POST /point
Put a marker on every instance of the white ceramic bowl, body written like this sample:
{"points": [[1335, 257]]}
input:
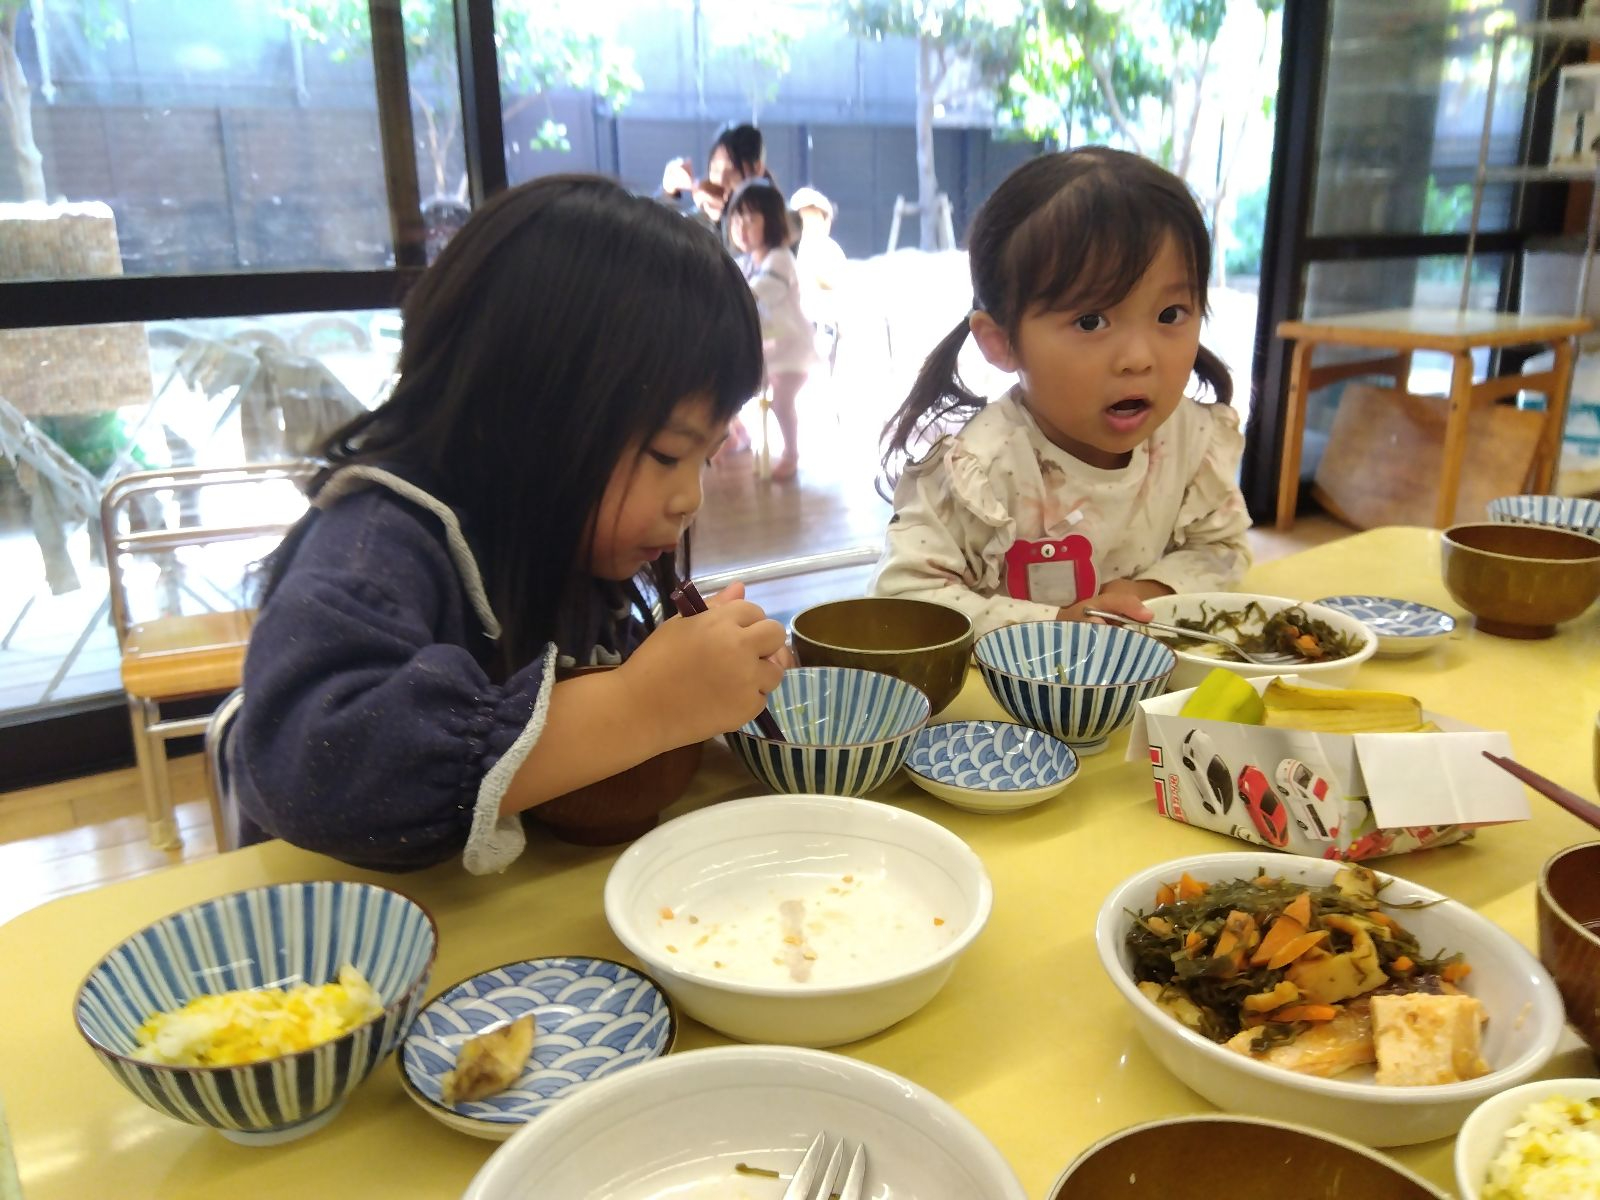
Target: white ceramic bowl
{"points": [[1525, 1014], [678, 1127], [1195, 665], [1482, 1137], [806, 920]]}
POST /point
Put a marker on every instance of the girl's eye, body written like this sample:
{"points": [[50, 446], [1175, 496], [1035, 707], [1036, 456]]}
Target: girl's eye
{"points": [[666, 460], [1173, 314], [1090, 322]]}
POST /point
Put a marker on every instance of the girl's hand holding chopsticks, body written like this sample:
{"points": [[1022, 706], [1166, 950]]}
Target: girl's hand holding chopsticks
{"points": [[709, 673]]}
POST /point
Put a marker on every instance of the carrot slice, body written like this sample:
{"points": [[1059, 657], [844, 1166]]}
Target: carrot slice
{"points": [[1279, 934], [1238, 933], [1190, 887], [1193, 942], [1306, 1012], [1403, 963], [1299, 909], [1165, 895], [1455, 972], [1296, 948]]}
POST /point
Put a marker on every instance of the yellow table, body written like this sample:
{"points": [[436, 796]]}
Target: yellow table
{"points": [[1028, 1039]]}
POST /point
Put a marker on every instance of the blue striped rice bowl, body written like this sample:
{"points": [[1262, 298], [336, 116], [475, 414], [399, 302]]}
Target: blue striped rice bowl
{"points": [[1559, 512], [847, 731], [1078, 681], [264, 937]]}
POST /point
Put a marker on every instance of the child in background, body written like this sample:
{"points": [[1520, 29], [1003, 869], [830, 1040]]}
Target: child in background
{"points": [[1094, 482], [759, 229], [822, 265], [521, 500]]}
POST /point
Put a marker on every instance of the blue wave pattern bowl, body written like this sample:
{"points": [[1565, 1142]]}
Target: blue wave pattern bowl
{"points": [[847, 731], [990, 766], [1077, 681], [1560, 512], [1401, 626], [265, 937], [594, 1018]]}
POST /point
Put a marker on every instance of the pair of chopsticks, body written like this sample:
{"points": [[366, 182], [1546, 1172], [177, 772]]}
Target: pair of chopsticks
{"points": [[689, 602], [1571, 801]]}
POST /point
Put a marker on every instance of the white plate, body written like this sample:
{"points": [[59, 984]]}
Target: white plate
{"points": [[594, 1018], [679, 1127], [1402, 626]]}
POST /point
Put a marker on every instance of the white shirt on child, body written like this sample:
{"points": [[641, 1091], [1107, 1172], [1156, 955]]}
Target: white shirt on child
{"points": [[1174, 514], [785, 330]]}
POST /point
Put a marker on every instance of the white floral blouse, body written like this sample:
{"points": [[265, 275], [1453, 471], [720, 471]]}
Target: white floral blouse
{"points": [[978, 517]]}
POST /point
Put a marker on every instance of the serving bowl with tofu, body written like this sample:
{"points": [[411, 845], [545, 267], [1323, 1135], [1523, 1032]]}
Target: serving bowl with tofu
{"points": [[1433, 1061]]}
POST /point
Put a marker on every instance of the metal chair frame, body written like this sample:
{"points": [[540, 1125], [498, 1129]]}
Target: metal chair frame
{"points": [[152, 731]]}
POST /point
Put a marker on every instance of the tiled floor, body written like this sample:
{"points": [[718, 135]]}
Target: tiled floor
{"points": [[69, 836]]}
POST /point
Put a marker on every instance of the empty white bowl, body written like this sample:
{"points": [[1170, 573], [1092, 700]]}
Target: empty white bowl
{"points": [[1195, 664], [805, 920], [1483, 1136], [679, 1126], [1524, 1010], [990, 766]]}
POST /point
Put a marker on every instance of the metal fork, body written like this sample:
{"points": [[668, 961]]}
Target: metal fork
{"points": [[1270, 658], [814, 1181]]}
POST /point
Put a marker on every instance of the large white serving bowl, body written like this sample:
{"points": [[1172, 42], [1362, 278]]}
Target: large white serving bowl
{"points": [[1483, 1136], [1195, 665], [889, 902], [679, 1126], [1524, 1008]]}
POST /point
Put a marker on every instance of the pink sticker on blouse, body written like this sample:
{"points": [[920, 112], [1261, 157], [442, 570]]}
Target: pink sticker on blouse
{"points": [[1057, 571]]}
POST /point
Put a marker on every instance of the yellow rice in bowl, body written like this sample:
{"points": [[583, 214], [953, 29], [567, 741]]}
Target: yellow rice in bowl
{"points": [[1551, 1153]]}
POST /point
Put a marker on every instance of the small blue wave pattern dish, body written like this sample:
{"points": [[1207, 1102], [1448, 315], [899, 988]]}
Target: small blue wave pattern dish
{"points": [[265, 937], [990, 766], [1560, 512], [1077, 681], [594, 1018], [847, 731], [1401, 626]]}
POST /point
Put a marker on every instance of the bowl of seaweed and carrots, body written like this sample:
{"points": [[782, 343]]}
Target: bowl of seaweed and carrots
{"points": [[1249, 976], [1330, 645]]}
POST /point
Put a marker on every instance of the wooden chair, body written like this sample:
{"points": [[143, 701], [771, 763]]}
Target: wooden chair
{"points": [[183, 635]]}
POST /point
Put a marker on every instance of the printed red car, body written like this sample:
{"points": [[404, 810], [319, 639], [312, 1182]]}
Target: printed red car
{"points": [[1266, 810]]}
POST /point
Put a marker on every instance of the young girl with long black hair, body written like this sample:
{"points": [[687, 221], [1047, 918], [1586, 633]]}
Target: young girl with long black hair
{"points": [[521, 499], [1094, 482]]}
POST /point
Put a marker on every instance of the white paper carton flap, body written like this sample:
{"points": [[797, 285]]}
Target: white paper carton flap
{"points": [[1438, 779]]}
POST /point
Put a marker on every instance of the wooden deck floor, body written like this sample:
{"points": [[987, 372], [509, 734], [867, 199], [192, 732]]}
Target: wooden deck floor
{"points": [[70, 836]]}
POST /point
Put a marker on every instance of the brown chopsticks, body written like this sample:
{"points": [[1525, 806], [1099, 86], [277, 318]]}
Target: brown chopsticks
{"points": [[1571, 801], [689, 602]]}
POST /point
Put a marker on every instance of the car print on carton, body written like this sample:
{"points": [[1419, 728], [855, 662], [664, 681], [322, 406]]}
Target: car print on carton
{"points": [[1315, 811]]}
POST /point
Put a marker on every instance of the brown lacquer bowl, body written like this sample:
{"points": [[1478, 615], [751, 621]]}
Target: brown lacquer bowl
{"points": [[1520, 580], [1569, 934], [624, 806], [926, 644], [1234, 1156]]}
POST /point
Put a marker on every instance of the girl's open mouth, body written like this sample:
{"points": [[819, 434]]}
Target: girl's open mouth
{"points": [[1128, 414]]}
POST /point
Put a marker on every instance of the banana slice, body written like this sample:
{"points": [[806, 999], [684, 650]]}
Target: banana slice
{"points": [[490, 1062]]}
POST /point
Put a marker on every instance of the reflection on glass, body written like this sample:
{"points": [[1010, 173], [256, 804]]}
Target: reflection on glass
{"points": [[82, 406], [174, 137], [1402, 119]]}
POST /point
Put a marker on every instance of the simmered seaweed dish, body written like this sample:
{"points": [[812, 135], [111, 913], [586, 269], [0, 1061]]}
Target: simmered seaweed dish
{"points": [[1317, 980], [1292, 631]]}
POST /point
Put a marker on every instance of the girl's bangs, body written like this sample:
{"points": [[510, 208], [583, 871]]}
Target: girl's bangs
{"points": [[1089, 247]]}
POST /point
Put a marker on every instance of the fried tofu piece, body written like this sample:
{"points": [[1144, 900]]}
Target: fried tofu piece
{"points": [[1422, 1039]]}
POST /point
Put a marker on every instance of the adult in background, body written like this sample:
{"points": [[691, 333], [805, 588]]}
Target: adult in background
{"points": [[738, 154]]}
